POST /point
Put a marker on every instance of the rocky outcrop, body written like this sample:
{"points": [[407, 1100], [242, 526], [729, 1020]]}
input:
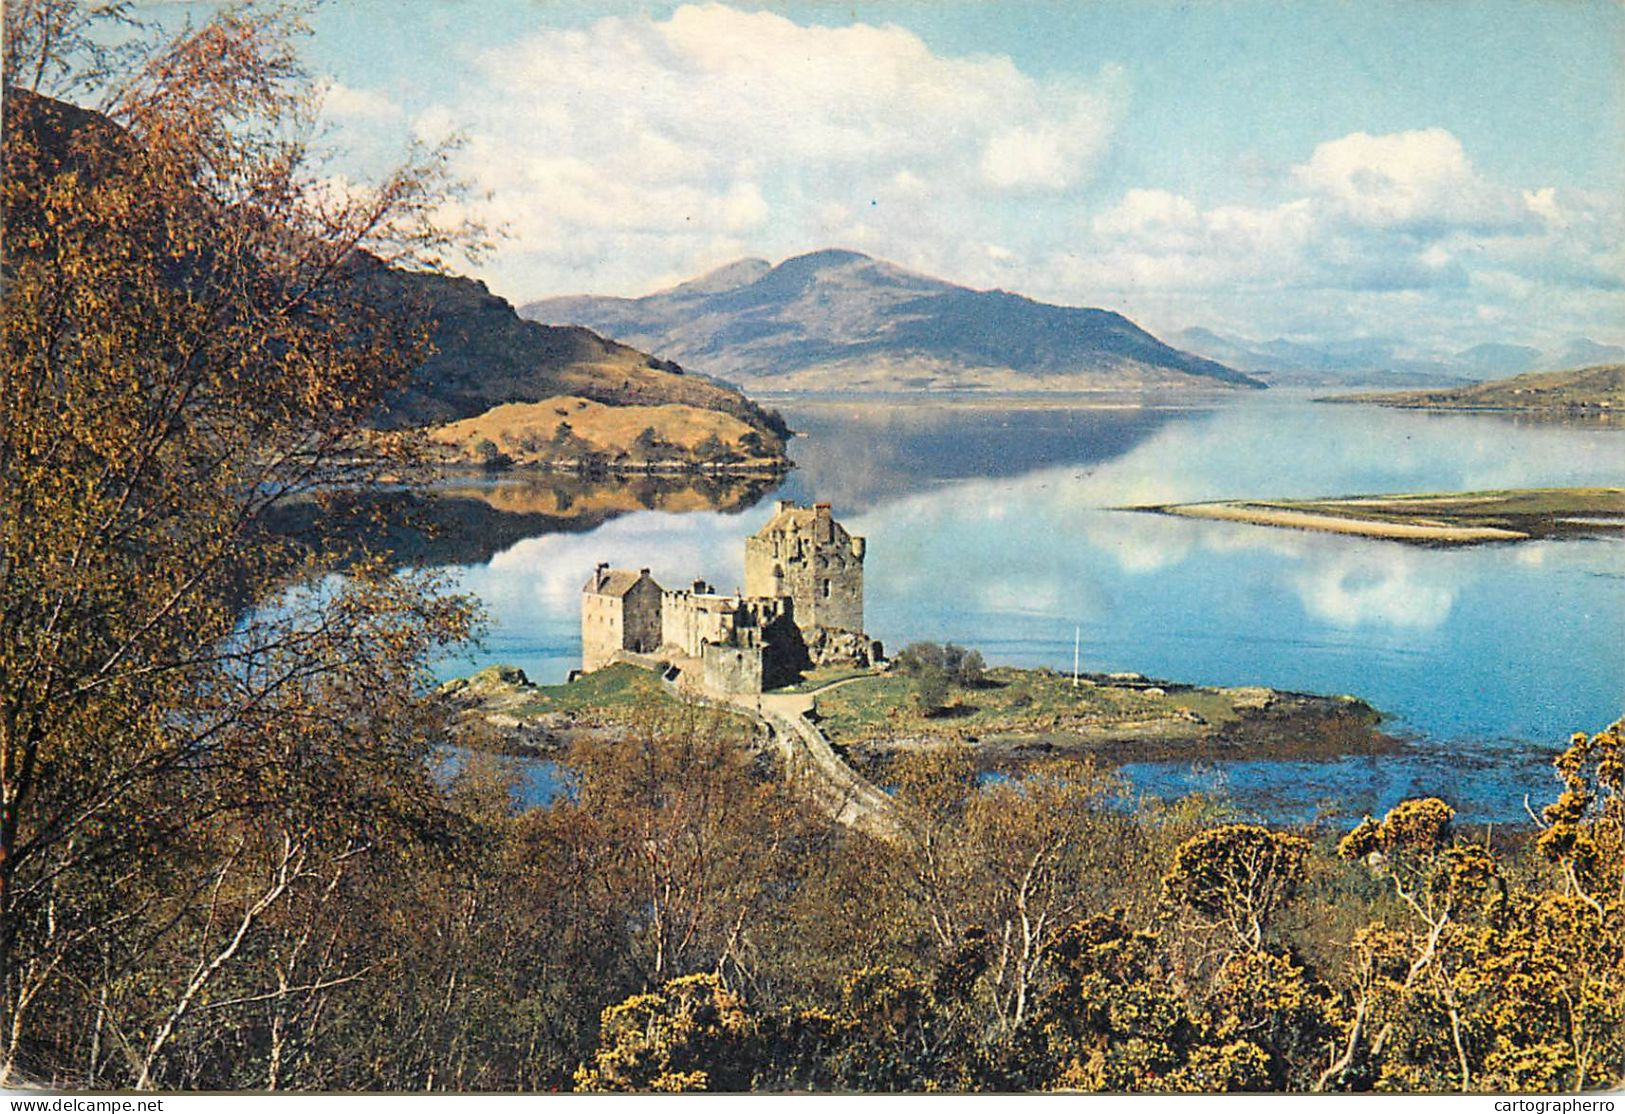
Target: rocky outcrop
{"points": [[829, 646]]}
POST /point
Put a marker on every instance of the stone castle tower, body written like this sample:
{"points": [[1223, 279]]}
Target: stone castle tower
{"points": [[803, 553]]}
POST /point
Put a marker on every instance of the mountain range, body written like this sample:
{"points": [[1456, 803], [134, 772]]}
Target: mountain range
{"points": [[1384, 361], [840, 320]]}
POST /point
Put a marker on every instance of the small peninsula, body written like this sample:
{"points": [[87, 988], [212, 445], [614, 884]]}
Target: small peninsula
{"points": [[568, 433], [498, 392], [1597, 391], [1459, 518]]}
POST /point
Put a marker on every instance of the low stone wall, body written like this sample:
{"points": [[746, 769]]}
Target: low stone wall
{"points": [[848, 797]]}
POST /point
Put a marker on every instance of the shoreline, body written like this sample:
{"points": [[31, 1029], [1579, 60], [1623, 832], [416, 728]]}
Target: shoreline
{"points": [[1440, 518], [1118, 718], [1017, 716], [1270, 515], [587, 468]]}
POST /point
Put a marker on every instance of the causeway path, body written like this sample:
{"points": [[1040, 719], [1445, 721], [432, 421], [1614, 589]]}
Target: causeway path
{"points": [[810, 761]]}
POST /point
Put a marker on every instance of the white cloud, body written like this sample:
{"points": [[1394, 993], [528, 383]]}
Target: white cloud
{"points": [[1386, 234], [1405, 179], [1391, 592], [636, 150], [635, 147], [1151, 215], [342, 102]]}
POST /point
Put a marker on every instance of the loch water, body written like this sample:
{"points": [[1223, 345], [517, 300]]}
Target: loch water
{"points": [[999, 524]]}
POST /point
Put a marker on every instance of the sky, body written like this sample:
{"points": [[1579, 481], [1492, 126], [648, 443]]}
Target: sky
{"points": [[1446, 173]]}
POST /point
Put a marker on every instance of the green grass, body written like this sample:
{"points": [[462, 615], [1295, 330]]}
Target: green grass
{"points": [[613, 687], [1011, 701]]}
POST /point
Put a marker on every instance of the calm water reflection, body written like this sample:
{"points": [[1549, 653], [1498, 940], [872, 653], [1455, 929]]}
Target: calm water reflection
{"points": [[997, 529]]}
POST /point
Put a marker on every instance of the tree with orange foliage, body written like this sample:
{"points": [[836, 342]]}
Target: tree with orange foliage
{"points": [[195, 730]]}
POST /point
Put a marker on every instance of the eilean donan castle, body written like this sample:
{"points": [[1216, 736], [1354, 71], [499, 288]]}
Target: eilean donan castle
{"points": [[802, 606]]}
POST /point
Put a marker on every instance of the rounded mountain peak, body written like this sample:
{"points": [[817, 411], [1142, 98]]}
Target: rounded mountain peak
{"points": [[838, 267], [729, 276], [827, 257]]}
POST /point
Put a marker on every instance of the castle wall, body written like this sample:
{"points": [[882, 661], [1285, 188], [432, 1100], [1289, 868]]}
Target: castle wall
{"points": [[641, 618], [601, 630], [702, 625], [733, 668], [803, 603], [690, 621]]}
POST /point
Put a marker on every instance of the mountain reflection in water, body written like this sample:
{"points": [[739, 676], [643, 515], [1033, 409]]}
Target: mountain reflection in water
{"points": [[863, 453], [468, 519]]}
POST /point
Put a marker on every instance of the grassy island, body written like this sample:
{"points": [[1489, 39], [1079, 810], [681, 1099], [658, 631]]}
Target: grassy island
{"points": [[1008, 716]]}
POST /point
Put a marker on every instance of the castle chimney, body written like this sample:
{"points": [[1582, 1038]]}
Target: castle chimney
{"points": [[782, 505], [821, 509], [600, 574], [643, 572], [699, 588]]}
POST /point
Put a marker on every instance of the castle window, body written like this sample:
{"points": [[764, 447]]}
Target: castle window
{"points": [[826, 589]]}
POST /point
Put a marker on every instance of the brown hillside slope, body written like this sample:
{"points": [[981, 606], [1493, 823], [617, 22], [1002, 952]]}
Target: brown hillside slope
{"points": [[567, 429], [1589, 389], [483, 354]]}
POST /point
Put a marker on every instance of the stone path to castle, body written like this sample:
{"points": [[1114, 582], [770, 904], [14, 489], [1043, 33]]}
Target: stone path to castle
{"points": [[846, 795]]}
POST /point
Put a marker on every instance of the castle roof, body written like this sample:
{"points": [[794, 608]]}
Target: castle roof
{"points": [[790, 518], [614, 582]]}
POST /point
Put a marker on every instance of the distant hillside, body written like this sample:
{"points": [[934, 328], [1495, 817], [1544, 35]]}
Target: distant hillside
{"points": [[839, 320], [1491, 361], [485, 355], [1585, 352], [1364, 361], [1586, 390], [1386, 362]]}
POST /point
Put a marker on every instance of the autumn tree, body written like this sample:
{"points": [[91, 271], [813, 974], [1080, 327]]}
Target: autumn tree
{"points": [[199, 737], [1016, 860], [1583, 831], [695, 839], [1285, 1013], [1234, 879], [1410, 1020], [1109, 1019]]}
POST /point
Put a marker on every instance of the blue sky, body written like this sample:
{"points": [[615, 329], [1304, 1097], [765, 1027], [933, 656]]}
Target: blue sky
{"points": [[1448, 172]]}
